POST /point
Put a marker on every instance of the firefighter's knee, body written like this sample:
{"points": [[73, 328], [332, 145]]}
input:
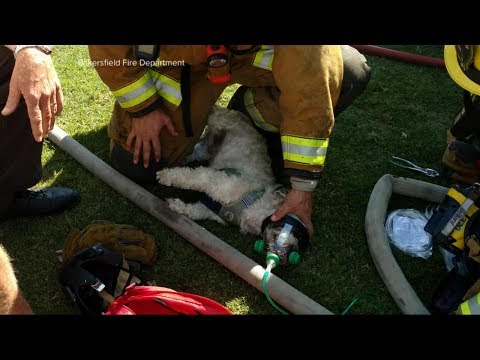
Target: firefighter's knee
{"points": [[122, 161], [356, 75]]}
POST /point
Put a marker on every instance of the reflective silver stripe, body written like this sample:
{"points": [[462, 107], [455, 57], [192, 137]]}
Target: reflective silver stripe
{"points": [[167, 88], [304, 150], [264, 57], [134, 94], [474, 305], [308, 151]]}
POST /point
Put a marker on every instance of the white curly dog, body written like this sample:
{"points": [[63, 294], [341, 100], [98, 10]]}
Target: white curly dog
{"points": [[239, 177]]}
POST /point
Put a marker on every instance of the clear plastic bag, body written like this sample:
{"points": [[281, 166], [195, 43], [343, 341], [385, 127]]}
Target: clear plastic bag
{"points": [[405, 229]]}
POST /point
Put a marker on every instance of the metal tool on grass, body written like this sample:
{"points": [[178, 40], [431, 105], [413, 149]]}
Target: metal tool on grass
{"points": [[410, 165]]}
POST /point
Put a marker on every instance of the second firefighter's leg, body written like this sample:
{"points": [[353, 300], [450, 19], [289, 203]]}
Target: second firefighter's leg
{"points": [[356, 75]]}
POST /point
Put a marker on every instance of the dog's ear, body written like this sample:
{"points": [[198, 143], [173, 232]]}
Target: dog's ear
{"points": [[215, 140]]}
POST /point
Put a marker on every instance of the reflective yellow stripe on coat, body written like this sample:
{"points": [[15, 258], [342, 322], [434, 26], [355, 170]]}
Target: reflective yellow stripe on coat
{"points": [[471, 306], [305, 151], [255, 114], [136, 92], [146, 86], [264, 57]]}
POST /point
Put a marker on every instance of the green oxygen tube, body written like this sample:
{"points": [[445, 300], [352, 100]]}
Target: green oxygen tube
{"points": [[282, 241]]}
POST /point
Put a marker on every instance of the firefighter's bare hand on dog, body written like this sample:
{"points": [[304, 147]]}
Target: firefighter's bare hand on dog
{"points": [[34, 77], [299, 203], [145, 135]]}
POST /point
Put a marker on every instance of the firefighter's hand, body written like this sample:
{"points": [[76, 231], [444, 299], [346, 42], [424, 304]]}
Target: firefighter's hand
{"points": [[299, 203], [145, 134], [35, 78]]}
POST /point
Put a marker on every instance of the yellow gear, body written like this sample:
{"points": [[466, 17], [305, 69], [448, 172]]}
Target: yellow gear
{"points": [[458, 233], [470, 307], [456, 72]]}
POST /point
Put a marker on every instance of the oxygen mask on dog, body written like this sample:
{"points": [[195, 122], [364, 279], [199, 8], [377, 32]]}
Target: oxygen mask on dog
{"points": [[283, 240]]}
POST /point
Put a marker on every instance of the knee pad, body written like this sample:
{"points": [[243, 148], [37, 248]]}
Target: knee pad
{"points": [[356, 76], [460, 172]]}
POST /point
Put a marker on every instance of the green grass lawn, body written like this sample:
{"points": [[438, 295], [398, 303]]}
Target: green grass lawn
{"points": [[405, 112]]}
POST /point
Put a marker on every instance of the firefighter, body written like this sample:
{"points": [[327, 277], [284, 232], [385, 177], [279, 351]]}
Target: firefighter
{"points": [[291, 93], [462, 155]]}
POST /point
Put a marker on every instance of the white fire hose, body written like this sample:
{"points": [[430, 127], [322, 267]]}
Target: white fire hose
{"points": [[378, 244], [284, 294]]}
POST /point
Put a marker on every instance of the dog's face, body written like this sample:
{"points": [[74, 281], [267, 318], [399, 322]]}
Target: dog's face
{"points": [[231, 133], [276, 237], [214, 140]]}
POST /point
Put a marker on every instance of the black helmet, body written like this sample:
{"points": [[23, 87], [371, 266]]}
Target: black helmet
{"points": [[90, 271]]}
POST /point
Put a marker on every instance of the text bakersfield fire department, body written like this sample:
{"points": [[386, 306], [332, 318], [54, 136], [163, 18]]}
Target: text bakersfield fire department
{"points": [[130, 62]]}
